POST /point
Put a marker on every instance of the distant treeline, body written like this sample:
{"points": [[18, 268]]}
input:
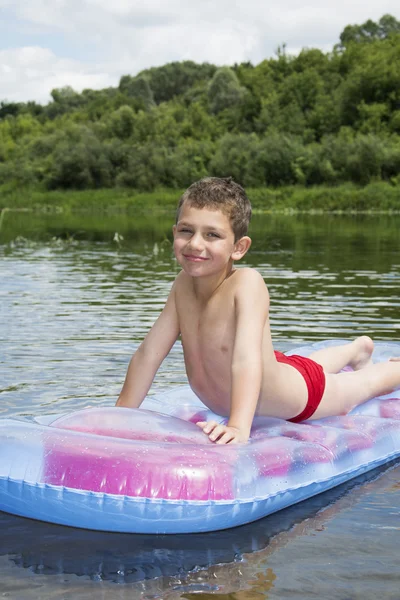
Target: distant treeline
{"points": [[316, 118]]}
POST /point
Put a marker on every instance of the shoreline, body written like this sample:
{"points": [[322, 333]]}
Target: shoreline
{"points": [[375, 198]]}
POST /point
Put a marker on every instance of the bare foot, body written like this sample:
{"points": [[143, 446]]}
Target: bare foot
{"points": [[365, 348], [394, 359]]}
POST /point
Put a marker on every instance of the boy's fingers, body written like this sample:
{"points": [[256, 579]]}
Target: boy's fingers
{"points": [[203, 424], [220, 434], [216, 432], [226, 438], [210, 426]]}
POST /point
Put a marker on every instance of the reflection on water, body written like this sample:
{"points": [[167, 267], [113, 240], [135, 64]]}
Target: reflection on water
{"points": [[344, 538], [75, 302]]}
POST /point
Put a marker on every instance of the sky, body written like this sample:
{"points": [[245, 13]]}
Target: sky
{"points": [[47, 44]]}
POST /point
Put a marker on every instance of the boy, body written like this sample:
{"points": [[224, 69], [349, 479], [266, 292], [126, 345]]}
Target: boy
{"points": [[221, 315]]}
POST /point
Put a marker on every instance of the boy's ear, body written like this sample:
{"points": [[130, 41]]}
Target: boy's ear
{"points": [[174, 230], [241, 247]]}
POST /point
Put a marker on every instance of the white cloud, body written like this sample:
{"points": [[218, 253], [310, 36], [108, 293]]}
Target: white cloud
{"points": [[125, 36], [30, 73]]}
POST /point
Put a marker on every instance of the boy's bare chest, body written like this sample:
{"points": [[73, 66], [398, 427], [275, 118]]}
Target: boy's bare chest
{"points": [[208, 329]]}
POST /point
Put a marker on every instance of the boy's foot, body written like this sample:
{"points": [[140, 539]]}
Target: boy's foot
{"points": [[363, 357], [394, 358]]}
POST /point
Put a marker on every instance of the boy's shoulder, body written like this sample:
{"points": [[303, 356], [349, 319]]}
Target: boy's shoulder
{"points": [[243, 274], [250, 284], [248, 276], [182, 283], [243, 281]]}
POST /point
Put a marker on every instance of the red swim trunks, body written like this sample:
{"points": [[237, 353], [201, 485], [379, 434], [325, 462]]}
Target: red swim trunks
{"points": [[314, 377]]}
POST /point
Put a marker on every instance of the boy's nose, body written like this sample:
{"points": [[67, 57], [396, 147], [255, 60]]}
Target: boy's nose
{"points": [[196, 242]]}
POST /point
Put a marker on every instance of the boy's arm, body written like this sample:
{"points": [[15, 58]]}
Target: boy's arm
{"points": [[251, 306], [150, 354]]}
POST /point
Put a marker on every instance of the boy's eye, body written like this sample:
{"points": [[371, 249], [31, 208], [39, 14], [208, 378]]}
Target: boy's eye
{"points": [[184, 230], [215, 235]]}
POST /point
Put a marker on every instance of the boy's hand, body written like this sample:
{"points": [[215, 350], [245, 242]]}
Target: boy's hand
{"points": [[223, 434]]}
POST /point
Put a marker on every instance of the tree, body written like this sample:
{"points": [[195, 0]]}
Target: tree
{"points": [[65, 100], [224, 90], [176, 78], [388, 25], [122, 122], [373, 78], [9, 109], [138, 88], [79, 162], [369, 31], [307, 119]]}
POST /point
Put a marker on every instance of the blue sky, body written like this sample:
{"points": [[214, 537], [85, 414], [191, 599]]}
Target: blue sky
{"points": [[46, 44]]}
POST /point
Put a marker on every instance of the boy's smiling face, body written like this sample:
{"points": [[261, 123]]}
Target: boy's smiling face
{"points": [[204, 242]]}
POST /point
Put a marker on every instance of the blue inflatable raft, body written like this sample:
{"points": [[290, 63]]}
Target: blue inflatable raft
{"points": [[152, 470]]}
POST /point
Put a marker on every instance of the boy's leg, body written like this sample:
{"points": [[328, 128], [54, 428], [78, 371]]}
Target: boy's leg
{"points": [[357, 354], [345, 391]]}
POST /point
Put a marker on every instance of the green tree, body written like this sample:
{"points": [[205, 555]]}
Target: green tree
{"points": [[122, 122], [374, 78], [79, 162], [369, 31], [235, 156], [11, 109], [65, 99], [308, 119], [224, 90], [365, 159], [176, 78], [138, 88]]}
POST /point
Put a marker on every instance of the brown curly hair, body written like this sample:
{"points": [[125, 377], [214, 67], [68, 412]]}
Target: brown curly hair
{"points": [[220, 193]]}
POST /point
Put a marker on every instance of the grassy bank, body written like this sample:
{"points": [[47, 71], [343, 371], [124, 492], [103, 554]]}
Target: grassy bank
{"points": [[376, 197]]}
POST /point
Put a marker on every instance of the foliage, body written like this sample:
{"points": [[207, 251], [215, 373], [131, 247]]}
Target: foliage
{"points": [[373, 198], [315, 119], [225, 91], [370, 31], [138, 88]]}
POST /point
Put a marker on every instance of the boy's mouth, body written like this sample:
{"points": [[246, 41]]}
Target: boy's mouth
{"points": [[194, 258]]}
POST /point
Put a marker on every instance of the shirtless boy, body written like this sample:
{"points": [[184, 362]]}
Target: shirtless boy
{"points": [[221, 314]]}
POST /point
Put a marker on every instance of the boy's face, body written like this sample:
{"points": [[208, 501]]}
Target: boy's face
{"points": [[204, 242]]}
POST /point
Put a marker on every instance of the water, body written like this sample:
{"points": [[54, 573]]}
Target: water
{"points": [[76, 300]]}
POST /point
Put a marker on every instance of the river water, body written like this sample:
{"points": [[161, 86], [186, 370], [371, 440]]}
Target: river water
{"points": [[78, 294]]}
